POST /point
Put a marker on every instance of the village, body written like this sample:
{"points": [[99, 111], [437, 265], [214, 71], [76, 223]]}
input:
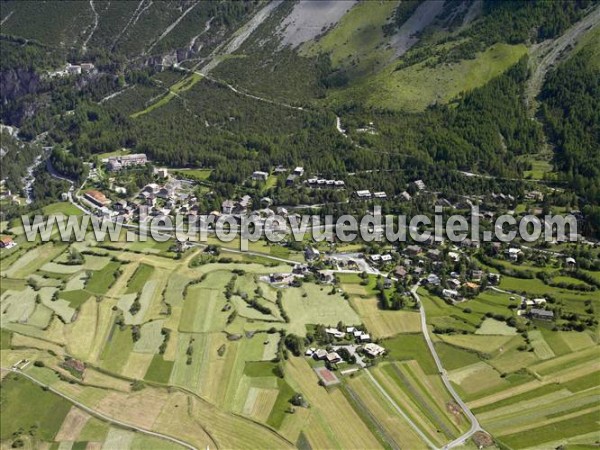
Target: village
{"points": [[452, 271]]}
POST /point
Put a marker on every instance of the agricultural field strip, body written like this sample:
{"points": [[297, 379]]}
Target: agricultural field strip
{"points": [[414, 384], [99, 414], [475, 426], [400, 411]]}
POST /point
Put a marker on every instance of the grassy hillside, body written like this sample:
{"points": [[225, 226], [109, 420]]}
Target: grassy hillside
{"points": [[415, 87]]}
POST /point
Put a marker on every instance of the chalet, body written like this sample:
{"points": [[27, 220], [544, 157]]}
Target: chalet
{"points": [[400, 272], [260, 176], [450, 293], [227, 206], [405, 196], [375, 258], [570, 262], [320, 354], [333, 357], [534, 195], [7, 242], [454, 283], [87, 67], [386, 258], [541, 314], [380, 195], [432, 278], [299, 171], [151, 188], [339, 184], [244, 203], [335, 333], [414, 250], [455, 257], [364, 337], [290, 180], [468, 243], [312, 181], [165, 193], [476, 275], [97, 198], [311, 253], [419, 184], [494, 278], [434, 254], [161, 172], [364, 194], [513, 253], [473, 287]]}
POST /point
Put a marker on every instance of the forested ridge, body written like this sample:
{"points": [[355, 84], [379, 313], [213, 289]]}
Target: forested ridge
{"points": [[486, 130], [571, 111]]}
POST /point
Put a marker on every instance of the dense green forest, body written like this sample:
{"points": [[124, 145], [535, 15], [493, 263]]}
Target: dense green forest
{"points": [[486, 130], [571, 110]]}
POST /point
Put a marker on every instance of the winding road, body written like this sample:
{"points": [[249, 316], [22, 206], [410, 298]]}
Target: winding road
{"points": [[475, 426]]}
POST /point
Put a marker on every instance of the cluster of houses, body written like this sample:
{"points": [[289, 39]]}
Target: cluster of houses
{"points": [[169, 198], [323, 183], [365, 194], [240, 206], [535, 309], [362, 343]]}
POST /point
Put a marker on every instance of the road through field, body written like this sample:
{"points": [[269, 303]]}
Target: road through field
{"points": [[99, 414], [475, 427]]}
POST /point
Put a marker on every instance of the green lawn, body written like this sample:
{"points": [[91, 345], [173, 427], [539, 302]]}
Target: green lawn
{"points": [[117, 348], [159, 370], [101, 280], [197, 174], [139, 278], [68, 209], [75, 298], [415, 87], [28, 407], [282, 403], [455, 357], [411, 346]]}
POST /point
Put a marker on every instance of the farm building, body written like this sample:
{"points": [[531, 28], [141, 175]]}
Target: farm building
{"points": [[541, 314], [373, 350], [7, 242], [97, 198]]}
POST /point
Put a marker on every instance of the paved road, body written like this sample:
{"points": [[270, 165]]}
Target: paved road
{"points": [[475, 427], [101, 415]]}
